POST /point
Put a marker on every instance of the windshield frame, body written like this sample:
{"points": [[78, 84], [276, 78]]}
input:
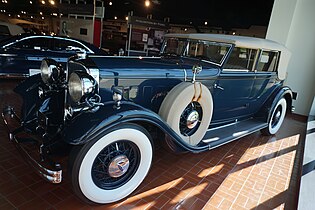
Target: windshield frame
{"points": [[184, 52]]}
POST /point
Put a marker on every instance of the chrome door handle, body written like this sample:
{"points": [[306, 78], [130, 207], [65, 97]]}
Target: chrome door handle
{"points": [[218, 87]]}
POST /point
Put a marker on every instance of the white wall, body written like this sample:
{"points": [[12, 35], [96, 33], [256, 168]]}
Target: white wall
{"points": [[312, 112], [292, 23]]}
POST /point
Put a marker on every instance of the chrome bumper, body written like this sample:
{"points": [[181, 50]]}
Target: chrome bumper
{"points": [[51, 175]]}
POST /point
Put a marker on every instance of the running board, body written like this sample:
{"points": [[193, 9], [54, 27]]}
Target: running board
{"points": [[222, 135]]}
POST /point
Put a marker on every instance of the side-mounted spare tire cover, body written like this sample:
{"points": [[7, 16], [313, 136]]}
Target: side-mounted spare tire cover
{"points": [[187, 109]]}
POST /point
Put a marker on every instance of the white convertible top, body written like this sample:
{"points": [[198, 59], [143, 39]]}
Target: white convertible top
{"points": [[246, 42]]}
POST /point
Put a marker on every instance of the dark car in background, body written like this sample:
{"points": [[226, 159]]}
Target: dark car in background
{"points": [[21, 55], [204, 91]]}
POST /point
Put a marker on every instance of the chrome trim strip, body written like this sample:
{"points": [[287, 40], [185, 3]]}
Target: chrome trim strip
{"points": [[223, 126], [235, 70], [48, 37], [13, 76], [112, 56], [237, 137]]}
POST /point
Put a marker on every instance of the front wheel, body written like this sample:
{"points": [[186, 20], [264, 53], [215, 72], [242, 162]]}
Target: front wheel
{"points": [[109, 168], [276, 119]]}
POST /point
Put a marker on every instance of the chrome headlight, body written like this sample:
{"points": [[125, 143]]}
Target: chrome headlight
{"points": [[50, 70], [81, 85]]}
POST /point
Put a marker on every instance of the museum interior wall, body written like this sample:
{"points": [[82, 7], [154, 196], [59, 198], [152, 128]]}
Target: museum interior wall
{"points": [[292, 24]]}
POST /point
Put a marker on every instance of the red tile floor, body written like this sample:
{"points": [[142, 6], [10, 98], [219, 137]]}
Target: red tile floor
{"points": [[256, 172]]}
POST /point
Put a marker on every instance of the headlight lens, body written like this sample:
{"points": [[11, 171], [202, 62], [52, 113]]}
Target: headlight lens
{"points": [[80, 86], [45, 71], [50, 71]]}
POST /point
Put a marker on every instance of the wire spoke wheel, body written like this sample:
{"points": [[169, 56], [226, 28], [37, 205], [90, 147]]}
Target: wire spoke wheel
{"points": [[112, 165], [115, 164], [190, 119], [276, 117]]}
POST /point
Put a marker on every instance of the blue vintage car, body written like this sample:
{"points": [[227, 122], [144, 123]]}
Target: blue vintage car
{"points": [[203, 91], [21, 55]]}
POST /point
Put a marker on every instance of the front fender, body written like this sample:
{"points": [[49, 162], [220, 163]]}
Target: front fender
{"points": [[89, 125]]}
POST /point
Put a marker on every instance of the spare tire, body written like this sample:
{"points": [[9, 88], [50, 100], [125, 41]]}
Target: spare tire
{"points": [[187, 109]]}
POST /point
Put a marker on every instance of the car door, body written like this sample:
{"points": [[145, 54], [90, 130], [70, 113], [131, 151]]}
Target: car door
{"points": [[266, 77], [24, 57], [232, 91]]}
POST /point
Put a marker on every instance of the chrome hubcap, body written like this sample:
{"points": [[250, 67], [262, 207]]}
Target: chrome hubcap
{"points": [[192, 119], [118, 166], [278, 115]]}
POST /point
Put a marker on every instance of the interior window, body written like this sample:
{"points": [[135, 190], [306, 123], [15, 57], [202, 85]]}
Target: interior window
{"points": [[268, 61], [32, 44], [208, 51], [241, 58]]}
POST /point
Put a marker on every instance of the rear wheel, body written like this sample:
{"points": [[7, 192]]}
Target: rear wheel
{"points": [[276, 119], [109, 168]]}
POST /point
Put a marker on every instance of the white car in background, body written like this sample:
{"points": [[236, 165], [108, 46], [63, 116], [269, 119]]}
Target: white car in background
{"points": [[8, 29]]}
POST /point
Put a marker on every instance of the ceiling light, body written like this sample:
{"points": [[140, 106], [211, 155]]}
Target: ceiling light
{"points": [[147, 3]]}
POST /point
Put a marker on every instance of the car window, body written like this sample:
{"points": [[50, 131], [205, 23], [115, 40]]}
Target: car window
{"points": [[241, 58], [174, 46], [209, 51], [39, 43], [267, 61], [68, 46], [4, 30]]}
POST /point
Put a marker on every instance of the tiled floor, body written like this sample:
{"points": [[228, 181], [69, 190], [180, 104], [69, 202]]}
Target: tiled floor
{"points": [[255, 172]]}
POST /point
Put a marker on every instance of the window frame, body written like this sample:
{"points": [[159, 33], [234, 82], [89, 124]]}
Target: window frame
{"points": [[229, 46], [11, 44], [275, 70], [205, 42], [188, 42], [243, 70], [55, 39]]}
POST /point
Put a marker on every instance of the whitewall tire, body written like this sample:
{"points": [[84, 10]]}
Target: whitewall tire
{"points": [[277, 118], [108, 169], [187, 109]]}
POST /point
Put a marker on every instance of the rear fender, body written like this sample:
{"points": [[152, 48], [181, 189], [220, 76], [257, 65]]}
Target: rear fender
{"points": [[265, 112]]}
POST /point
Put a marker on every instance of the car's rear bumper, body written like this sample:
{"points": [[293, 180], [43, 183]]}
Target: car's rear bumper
{"points": [[51, 173]]}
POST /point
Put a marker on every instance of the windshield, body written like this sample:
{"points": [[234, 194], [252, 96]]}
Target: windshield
{"points": [[208, 51], [174, 47], [213, 52]]}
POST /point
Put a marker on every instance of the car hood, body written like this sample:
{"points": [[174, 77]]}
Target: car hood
{"points": [[148, 67]]}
